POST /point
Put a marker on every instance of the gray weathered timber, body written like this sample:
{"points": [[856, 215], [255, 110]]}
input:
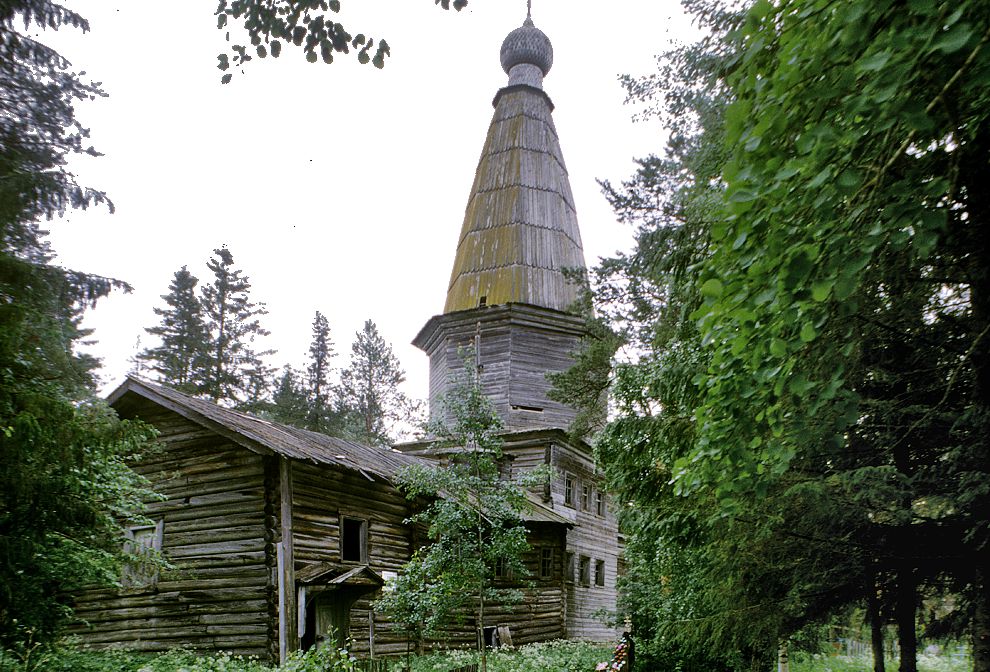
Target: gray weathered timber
{"points": [[213, 530], [519, 345]]}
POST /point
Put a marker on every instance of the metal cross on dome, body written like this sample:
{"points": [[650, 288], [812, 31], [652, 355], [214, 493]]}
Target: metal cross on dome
{"points": [[529, 9]]}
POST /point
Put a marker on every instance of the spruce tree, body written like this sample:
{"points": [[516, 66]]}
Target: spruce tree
{"points": [[65, 490], [319, 418], [231, 363], [289, 403], [369, 396], [180, 357]]}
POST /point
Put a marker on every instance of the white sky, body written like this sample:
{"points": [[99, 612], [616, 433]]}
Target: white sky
{"points": [[337, 188]]}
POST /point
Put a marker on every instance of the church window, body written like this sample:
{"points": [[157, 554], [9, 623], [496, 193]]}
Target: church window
{"points": [[586, 498], [599, 572], [568, 490], [600, 503]]}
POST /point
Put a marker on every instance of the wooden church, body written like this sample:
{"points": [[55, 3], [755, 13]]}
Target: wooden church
{"points": [[277, 535]]}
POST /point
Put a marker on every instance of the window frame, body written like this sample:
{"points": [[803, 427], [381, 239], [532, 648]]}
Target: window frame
{"points": [[569, 566], [363, 551], [569, 483], [501, 570], [132, 576], [600, 573], [600, 503], [586, 497], [546, 559], [584, 570]]}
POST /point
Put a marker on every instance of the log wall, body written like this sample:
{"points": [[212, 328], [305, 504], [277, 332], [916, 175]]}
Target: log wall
{"points": [[319, 497], [213, 531], [519, 346]]}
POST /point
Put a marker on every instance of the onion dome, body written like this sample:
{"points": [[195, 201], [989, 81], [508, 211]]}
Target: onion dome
{"points": [[520, 232], [527, 45]]}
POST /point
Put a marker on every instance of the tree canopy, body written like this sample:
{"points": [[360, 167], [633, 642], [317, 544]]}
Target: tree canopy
{"points": [[807, 309], [309, 25], [65, 489], [368, 396]]}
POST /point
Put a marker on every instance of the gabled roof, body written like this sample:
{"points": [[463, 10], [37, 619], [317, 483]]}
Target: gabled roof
{"points": [[266, 437], [334, 574]]}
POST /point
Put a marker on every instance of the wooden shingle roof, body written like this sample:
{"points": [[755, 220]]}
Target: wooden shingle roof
{"points": [[265, 436], [520, 227]]}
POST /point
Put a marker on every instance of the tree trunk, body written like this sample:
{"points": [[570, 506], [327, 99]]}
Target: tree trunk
{"points": [[904, 614], [876, 627]]}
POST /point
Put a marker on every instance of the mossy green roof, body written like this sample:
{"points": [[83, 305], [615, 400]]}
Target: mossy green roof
{"points": [[520, 227]]}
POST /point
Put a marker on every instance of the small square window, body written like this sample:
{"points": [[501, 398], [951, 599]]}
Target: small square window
{"points": [[546, 563], [353, 539], [586, 498], [599, 572], [585, 568], [600, 503], [501, 568], [568, 490]]}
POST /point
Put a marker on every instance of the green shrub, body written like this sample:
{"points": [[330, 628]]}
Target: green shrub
{"points": [[72, 659], [325, 659], [558, 656]]}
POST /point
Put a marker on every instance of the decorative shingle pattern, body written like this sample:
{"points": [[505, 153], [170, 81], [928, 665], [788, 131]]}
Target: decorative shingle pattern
{"points": [[520, 227]]}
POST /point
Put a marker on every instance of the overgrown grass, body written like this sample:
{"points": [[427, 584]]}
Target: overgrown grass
{"points": [[557, 656], [829, 663]]}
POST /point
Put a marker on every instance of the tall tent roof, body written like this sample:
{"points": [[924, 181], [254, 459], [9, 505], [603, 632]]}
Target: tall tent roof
{"points": [[520, 227]]}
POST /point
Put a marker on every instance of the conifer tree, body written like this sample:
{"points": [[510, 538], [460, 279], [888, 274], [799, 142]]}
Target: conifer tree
{"points": [[289, 403], [232, 319], [319, 417], [473, 521], [65, 490], [369, 396], [179, 359]]}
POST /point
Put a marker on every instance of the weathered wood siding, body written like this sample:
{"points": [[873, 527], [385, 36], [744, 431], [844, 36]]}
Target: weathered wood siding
{"points": [[519, 346], [218, 595], [593, 536], [319, 496]]}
